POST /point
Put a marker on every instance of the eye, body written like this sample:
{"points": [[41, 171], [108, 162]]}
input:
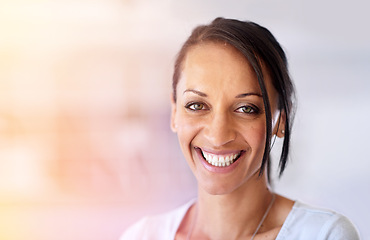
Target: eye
{"points": [[247, 109], [195, 106]]}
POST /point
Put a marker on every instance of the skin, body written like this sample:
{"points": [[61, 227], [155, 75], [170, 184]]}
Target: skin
{"points": [[219, 109]]}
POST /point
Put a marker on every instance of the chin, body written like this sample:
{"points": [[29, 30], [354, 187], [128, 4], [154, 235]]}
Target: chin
{"points": [[213, 187], [217, 185]]}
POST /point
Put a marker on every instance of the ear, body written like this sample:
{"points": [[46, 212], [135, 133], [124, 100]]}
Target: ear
{"points": [[279, 129], [173, 114]]}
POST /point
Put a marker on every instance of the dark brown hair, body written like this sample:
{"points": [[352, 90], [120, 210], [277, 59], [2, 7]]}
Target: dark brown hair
{"points": [[258, 45]]}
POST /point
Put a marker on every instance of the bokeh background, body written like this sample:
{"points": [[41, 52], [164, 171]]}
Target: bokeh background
{"points": [[85, 143]]}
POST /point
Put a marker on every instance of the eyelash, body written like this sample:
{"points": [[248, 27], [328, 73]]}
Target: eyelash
{"points": [[252, 109], [191, 105]]}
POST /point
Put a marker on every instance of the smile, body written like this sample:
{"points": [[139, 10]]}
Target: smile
{"points": [[224, 160]]}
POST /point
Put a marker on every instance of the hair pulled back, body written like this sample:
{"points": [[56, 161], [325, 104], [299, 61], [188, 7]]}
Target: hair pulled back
{"points": [[258, 46]]}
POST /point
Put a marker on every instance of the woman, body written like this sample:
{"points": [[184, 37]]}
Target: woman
{"points": [[232, 95]]}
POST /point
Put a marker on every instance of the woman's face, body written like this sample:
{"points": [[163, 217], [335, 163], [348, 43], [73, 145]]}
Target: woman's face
{"points": [[219, 117]]}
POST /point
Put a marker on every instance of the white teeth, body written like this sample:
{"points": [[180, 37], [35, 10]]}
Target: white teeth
{"points": [[219, 161]]}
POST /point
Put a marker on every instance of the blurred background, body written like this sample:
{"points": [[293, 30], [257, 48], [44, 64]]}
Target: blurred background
{"points": [[85, 143]]}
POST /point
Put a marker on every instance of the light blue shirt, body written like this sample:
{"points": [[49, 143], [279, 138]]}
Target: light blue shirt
{"points": [[303, 223]]}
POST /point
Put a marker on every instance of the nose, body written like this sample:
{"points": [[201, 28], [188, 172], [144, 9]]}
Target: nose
{"points": [[220, 130]]}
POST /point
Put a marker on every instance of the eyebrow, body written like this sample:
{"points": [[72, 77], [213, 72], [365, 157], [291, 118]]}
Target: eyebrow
{"points": [[196, 92], [242, 95], [248, 94]]}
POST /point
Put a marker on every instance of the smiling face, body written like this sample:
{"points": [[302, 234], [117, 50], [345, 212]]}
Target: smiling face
{"points": [[219, 117]]}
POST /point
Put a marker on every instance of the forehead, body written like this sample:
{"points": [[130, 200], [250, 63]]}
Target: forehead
{"points": [[219, 64], [209, 53]]}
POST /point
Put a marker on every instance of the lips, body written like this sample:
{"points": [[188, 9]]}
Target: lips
{"points": [[221, 159]]}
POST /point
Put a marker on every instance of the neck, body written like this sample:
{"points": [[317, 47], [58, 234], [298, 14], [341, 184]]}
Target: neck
{"points": [[233, 215]]}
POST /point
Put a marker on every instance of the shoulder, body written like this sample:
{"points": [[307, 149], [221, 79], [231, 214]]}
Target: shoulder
{"points": [[307, 222], [163, 226]]}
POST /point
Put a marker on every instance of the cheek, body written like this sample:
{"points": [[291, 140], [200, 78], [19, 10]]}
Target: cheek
{"points": [[255, 135], [187, 128]]}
